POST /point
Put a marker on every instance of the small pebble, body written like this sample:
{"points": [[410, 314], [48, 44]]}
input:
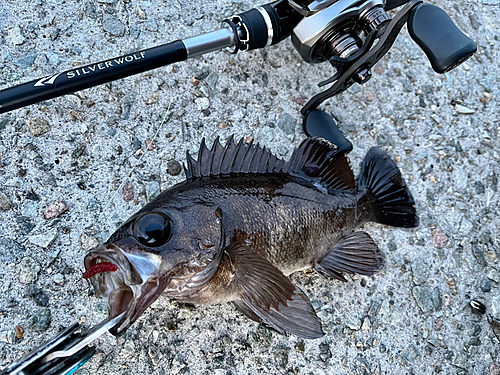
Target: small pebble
{"points": [[174, 168], [45, 239], [439, 239], [238, 114], [212, 80], [222, 125], [38, 126], [153, 99], [494, 275], [436, 118], [150, 144], [494, 368], [88, 242], [438, 324], [412, 353], [58, 278], [7, 337], [140, 13], [16, 37], [53, 211], [485, 285], [152, 190], [27, 270], [463, 109], [495, 307], [423, 297], [5, 203], [287, 123], [195, 81], [379, 69], [19, 332], [354, 323], [202, 103], [151, 25], [366, 326], [38, 296], [41, 320], [420, 270], [113, 25], [300, 347], [128, 192], [451, 283]]}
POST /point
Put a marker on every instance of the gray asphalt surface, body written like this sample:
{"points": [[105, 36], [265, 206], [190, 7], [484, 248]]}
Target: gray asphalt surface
{"points": [[83, 149]]}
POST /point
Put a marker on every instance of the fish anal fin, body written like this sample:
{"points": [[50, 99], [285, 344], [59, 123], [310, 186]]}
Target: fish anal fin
{"points": [[267, 295], [355, 253]]}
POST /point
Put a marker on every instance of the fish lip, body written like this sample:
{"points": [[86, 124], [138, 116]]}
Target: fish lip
{"points": [[121, 289]]}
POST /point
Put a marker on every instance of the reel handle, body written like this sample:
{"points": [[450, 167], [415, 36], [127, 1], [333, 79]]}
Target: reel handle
{"points": [[438, 36], [318, 123]]}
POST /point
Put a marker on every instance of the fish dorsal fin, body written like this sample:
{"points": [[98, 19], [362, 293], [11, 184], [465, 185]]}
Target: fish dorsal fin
{"points": [[233, 158], [315, 159], [318, 159]]}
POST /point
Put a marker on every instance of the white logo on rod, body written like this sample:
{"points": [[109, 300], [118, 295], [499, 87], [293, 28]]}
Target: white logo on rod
{"points": [[47, 80]]}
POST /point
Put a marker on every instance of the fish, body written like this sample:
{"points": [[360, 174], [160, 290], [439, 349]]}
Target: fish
{"points": [[242, 222]]}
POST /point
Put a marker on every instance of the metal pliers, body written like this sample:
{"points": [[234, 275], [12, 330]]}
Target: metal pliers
{"points": [[64, 354]]}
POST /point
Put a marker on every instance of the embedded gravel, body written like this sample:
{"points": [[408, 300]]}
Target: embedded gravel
{"points": [[104, 152]]}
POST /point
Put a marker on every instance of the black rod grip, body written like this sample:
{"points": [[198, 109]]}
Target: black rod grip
{"points": [[441, 40], [91, 75]]}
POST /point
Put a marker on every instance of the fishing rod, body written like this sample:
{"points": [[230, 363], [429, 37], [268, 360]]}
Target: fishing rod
{"points": [[352, 35]]}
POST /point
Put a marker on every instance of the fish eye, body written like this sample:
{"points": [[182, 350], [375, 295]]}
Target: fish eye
{"points": [[153, 229]]}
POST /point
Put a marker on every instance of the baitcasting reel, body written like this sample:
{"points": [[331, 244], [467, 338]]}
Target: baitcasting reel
{"points": [[352, 35], [344, 32]]}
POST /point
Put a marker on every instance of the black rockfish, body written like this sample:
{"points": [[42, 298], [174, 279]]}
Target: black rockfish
{"points": [[241, 222]]}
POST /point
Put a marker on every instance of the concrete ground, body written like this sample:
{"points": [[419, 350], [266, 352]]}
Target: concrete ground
{"points": [[88, 150]]}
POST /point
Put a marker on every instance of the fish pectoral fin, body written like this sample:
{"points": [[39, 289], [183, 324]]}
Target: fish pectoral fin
{"points": [[268, 296], [355, 253], [297, 317]]}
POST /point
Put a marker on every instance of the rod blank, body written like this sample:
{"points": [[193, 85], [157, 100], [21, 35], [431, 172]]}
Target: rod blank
{"points": [[102, 72]]}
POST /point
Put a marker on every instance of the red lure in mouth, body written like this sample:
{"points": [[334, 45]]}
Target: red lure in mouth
{"points": [[99, 268]]}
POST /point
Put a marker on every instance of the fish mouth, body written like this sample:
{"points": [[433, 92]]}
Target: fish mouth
{"points": [[130, 286]]}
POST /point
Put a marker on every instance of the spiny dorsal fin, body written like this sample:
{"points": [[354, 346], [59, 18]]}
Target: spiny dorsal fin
{"points": [[234, 158], [314, 159]]}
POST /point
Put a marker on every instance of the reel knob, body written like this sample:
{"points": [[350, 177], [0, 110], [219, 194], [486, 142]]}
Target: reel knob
{"points": [[441, 40]]}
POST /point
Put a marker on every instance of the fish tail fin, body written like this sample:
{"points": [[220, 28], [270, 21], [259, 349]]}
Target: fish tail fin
{"points": [[382, 182]]}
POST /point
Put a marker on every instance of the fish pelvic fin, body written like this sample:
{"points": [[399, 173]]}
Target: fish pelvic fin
{"points": [[268, 296], [354, 253], [381, 181]]}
